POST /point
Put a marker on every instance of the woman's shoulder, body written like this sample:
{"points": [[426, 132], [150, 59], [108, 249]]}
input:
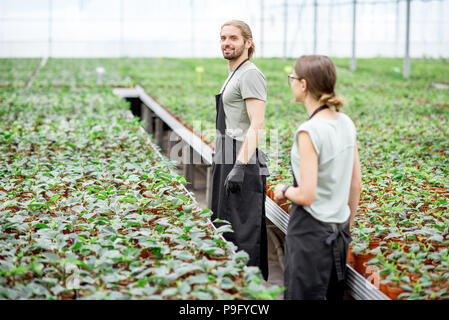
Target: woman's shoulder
{"points": [[313, 128], [323, 127], [305, 125], [345, 116], [313, 123], [347, 119]]}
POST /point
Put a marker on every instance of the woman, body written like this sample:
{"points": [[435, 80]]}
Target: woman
{"points": [[326, 190]]}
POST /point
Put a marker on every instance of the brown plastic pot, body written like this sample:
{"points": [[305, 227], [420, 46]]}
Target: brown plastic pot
{"points": [[284, 204], [350, 258], [270, 193], [393, 291], [359, 261], [374, 243]]}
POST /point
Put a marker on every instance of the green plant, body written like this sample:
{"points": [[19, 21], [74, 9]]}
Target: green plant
{"points": [[86, 200]]}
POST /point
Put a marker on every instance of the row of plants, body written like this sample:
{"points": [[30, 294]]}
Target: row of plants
{"points": [[15, 72], [401, 124], [89, 210], [414, 269], [402, 133], [84, 72]]}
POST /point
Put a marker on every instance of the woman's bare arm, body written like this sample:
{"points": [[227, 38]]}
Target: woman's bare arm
{"points": [[356, 186], [305, 193]]}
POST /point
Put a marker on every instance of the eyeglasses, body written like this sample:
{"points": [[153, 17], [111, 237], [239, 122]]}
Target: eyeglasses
{"points": [[290, 77]]}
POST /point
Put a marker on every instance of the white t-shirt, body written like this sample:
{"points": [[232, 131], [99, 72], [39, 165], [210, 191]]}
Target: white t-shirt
{"points": [[334, 142]]}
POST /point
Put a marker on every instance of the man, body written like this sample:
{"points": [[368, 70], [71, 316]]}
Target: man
{"points": [[239, 168]]}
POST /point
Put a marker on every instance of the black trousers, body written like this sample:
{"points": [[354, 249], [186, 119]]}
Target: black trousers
{"points": [[245, 210]]}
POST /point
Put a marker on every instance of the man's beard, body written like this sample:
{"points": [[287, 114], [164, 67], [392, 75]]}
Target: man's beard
{"points": [[234, 55]]}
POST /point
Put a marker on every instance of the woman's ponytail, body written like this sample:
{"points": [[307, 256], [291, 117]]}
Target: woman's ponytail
{"points": [[332, 100]]}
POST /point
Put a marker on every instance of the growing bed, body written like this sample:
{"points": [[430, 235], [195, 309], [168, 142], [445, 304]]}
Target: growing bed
{"points": [[83, 72], [89, 210], [402, 132], [15, 72]]}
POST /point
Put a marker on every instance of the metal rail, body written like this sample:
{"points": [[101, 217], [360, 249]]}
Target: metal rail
{"points": [[359, 287], [35, 73], [362, 289], [197, 144]]}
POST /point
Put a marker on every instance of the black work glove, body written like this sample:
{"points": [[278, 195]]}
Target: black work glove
{"points": [[234, 180]]}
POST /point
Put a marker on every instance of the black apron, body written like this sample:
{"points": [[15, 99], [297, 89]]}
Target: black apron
{"points": [[315, 256], [245, 210]]}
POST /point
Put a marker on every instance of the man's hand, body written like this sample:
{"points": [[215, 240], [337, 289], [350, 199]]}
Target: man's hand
{"points": [[234, 180]]}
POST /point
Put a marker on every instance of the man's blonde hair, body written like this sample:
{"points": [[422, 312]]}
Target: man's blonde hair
{"points": [[246, 33]]}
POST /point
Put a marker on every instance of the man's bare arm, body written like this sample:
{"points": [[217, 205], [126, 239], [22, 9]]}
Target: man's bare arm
{"points": [[256, 114]]}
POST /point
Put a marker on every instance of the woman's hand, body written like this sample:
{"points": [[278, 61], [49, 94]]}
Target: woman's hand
{"points": [[278, 192]]}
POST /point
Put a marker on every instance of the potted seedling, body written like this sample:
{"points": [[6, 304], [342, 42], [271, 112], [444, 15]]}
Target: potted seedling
{"points": [[362, 254], [395, 284]]}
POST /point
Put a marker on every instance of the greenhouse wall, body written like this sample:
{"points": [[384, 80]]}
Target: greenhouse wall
{"points": [[180, 28]]}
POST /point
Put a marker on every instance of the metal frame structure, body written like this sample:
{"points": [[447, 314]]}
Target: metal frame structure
{"points": [[36, 72], [354, 3], [288, 8]]}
